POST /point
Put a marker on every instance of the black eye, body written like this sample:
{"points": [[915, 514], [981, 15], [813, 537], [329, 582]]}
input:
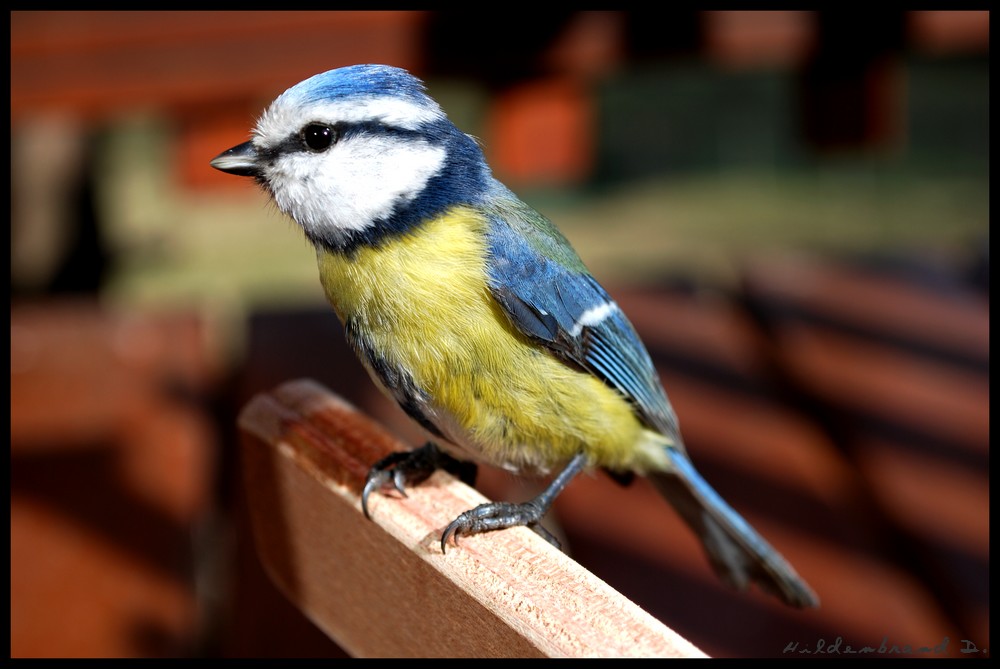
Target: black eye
{"points": [[318, 137]]}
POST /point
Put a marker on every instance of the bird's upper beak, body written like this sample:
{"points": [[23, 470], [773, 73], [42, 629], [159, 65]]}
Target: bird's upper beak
{"points": [[241, 160]]}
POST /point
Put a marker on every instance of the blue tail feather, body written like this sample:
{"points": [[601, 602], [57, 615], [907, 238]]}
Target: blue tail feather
{"points": [[737, 552]]}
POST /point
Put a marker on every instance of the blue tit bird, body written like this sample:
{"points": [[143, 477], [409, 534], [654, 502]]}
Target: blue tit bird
{"points": [[474, 313]]}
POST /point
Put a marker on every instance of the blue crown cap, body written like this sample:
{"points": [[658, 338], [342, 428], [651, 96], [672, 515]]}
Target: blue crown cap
{"points": [[359, 81]]}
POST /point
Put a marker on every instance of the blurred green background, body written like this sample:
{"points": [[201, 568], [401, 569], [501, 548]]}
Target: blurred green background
{"points": [[694, 168]]}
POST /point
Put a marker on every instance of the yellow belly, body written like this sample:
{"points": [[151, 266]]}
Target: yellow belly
{"points": [[423, 301]]}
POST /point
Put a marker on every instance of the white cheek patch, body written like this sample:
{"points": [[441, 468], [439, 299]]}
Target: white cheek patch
{"points": [[592, 317], [355, 183]]}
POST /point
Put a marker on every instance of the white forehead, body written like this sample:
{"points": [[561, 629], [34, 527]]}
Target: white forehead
{"points": [[288, 114]]}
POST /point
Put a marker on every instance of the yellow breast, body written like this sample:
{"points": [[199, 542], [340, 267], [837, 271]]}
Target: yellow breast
{"points": [[424, 303]]}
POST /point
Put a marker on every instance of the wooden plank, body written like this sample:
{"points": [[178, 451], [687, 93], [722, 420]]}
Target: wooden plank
{"points": [[384, 588]]}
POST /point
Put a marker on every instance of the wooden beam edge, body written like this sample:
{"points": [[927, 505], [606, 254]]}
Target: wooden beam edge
{"points": [[384, 588]]}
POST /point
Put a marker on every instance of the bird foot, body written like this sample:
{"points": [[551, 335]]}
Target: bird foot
{"points": [[498, 516], [411, 467]]}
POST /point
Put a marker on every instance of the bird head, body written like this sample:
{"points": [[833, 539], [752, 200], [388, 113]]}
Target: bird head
{"points": [[359, 152]]}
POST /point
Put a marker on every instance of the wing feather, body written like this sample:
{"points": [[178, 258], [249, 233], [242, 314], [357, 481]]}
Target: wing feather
{"points": [[548, 294]]}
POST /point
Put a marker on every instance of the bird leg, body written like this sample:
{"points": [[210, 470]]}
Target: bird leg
{"points": [[501, 515]]}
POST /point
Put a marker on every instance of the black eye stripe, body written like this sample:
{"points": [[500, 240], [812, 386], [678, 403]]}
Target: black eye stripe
{"points": [[371, 128], [296, 142]]}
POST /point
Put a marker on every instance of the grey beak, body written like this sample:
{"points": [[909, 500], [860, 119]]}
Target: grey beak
{"points": [[240, 160]]}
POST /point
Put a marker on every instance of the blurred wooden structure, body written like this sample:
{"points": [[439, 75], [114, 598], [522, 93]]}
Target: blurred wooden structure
{"points": [[112, 479], [209, 72], [843, 409]]}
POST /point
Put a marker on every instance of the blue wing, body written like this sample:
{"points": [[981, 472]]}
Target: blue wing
{"points": [[548, 294]]}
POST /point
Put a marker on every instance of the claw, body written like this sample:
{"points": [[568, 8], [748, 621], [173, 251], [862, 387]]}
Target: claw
{"points": [[402, 467], [398, 477], [448, 533], [545, 534], [374, 482]]}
